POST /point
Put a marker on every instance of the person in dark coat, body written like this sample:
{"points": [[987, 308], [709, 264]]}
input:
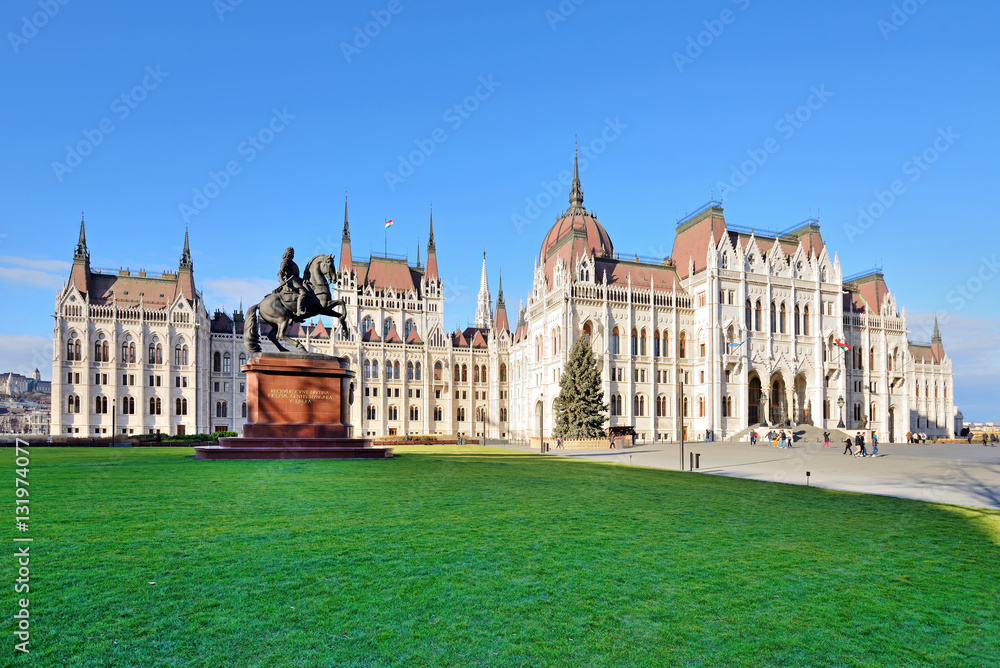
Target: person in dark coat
{"points": [[848, 447]]}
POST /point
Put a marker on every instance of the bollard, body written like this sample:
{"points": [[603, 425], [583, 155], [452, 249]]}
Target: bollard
{"points": [[691, 464], [807, 478], [697, 460]]}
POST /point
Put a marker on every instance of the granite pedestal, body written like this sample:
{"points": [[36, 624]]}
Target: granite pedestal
{"points": [[298, 405]]}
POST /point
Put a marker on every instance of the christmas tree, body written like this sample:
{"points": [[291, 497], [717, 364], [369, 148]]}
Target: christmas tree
{"points": [[580, 409]]}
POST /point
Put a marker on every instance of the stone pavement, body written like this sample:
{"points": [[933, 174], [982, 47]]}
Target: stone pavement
{"points": [[961, 474]]}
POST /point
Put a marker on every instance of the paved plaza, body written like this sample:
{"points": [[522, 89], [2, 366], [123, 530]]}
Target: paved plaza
{"points": [[962, 474]]}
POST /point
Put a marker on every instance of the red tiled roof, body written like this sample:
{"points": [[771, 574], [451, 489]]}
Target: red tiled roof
{"points": [[383, 273], [393, 336], [413, 337], [459, 341], [155, 292], [319, 331], [500, 323], [477, 340], [370, 335], [692, 239]]}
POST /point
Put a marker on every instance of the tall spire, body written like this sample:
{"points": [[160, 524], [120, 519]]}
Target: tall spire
{"points": [[81, 254], [576, 192], [418, 253], [500, 322], [345, 244], [484, 305], [936, 338], [432, 264], [186, 253]]}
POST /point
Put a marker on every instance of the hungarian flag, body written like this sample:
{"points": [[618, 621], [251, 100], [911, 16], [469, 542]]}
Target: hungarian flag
{"points": [[840, 344], [388, 224]]}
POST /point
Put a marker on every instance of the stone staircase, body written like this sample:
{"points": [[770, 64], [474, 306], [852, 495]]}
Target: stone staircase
{"points": [[803, 433]]}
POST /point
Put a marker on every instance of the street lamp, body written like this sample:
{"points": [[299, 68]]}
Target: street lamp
{"points": [[113, 414], [840, 403], [680, 380]]}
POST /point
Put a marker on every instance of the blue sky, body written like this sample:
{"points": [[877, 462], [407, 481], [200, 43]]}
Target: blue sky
{"points": [[837, 101]]}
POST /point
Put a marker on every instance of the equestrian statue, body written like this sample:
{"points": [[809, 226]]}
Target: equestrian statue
{"points": [[294, 300]]}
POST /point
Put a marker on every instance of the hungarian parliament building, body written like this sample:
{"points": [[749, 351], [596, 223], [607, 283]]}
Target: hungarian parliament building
{"points": [[737, 329]]}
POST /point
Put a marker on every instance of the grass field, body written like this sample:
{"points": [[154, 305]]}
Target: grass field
{"points": [[463, 556]]}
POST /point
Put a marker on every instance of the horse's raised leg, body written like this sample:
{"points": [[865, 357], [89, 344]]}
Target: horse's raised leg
{"points": [[282, 334]]}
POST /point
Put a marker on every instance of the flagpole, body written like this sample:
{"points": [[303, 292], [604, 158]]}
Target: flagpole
{"points": [[385, 237]]}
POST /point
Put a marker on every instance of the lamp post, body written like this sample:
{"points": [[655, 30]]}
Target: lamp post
{"points": [[840, 404], [113, 415], [680, 380]]}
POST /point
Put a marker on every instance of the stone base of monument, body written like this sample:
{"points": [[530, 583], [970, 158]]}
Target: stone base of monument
{"points": [[298, 406]]}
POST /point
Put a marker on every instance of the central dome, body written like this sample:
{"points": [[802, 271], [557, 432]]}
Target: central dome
{"points": [[577, 227]]}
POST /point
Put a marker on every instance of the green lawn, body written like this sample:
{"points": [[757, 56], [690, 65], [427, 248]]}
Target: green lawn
{"points": [[464, 556]]}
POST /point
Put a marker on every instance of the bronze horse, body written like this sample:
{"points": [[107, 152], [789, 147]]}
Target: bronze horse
{"points": [[278, 308]]}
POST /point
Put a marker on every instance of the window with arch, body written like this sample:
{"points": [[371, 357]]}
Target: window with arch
{"points": [[798, 321], [661, 406], [588, 332], [555, 342], [387, 326], [460, 414], [414, 413], [666, 344], [503, 414], [749, 316], [874, 412], [409, 371], [781, 319], [482, 373], [128, 405], [101, 404], [154, 406], [935, 390], [639, 405], [438, 414], [916, 386], [616, 404], [724, 261], [945, 391], [701, 406], [181, 406], [438, 369], [465, 374], [368, 369], [217, 362], [857, 412], [481, 414], [458, 373], [395, 370], [393, 413], [656, 343], [538, 349], [416, 371], [243, 410], [73, 404], [805, 321], [72, 345], [503, 373], [180, 354], [475, 373], [227, 363], [371, 413], [408, 326], [756, 317], [634, 341], [366, 324], [243, 360], [682, 346], [642, 342], [221, 409], [615, 342], [774, 318], [871, 359], [375, 369], [685, 407]]}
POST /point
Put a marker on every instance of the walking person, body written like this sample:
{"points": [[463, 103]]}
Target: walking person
{"points": [[984, 439], [753, 437], [874, 444], [848, 447], [863, 451], [826, 439], [558, 442]]}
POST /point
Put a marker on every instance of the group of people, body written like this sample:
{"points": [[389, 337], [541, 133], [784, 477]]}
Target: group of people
{"points": [[988, 439], [915, 437], [859, 440], [776, 440]]}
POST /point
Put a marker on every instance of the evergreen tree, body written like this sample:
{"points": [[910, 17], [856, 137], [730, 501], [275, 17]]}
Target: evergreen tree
{"points": [[580, 409]]}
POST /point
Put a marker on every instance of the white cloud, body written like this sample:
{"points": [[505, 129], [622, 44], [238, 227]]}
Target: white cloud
{"points": [[227, 292], [37, 273], [22, 354]]}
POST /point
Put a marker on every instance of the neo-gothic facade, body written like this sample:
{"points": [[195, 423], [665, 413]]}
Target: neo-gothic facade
{"points": [[737, 328]]}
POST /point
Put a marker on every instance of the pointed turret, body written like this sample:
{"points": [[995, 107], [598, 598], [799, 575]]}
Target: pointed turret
{"points": [[576, 191], [500, 323], [80, 273], [937, 348], [345, 244], [185, 271], [936, 338], [432, 263], [484, 306]]}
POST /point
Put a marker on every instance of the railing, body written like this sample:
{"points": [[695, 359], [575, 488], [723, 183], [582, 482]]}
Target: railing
{"points": [[647, 259], [700, 210], [877, 271], [770, 233]]}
